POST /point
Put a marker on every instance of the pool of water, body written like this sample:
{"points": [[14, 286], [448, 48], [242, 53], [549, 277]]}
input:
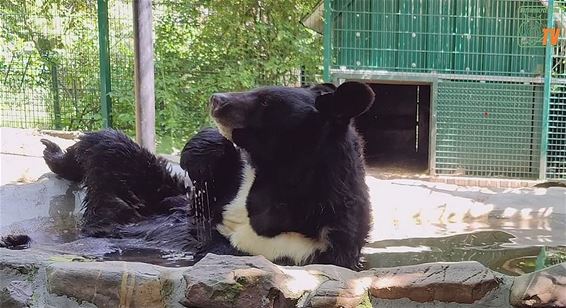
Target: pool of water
{"points": [[495, 249], [500, 250], [505, 243], [509, 245]]}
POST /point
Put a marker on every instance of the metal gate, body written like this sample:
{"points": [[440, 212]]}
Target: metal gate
{"points": [[488, 129]]}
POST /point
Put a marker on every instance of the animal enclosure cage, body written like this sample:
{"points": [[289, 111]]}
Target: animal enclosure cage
{"points": [[497, 93]]}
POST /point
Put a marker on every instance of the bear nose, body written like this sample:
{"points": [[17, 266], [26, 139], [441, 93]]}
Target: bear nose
{"points": [[218, 100]]}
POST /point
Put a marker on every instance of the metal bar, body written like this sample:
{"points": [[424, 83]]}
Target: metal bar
{"points": [[432, 128], [144, 74], [327, 40], [405, 76], [546, 91], [104, 54]]}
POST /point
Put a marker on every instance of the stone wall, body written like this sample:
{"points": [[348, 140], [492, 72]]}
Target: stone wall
{"points": [[37, 279]]}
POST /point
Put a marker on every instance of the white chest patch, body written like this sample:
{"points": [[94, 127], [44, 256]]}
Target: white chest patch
{"points": [[236, 227]]}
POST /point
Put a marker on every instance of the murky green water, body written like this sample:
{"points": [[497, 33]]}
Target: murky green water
{"points": [[494, 249]]}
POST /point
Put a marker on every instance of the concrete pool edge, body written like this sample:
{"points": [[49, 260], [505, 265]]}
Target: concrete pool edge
{"points": [[33, 278]]}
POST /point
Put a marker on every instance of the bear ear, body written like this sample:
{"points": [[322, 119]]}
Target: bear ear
{"points": [[324, 87], [350, 99]]}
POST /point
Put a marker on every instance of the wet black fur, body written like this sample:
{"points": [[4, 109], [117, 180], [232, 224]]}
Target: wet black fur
{"points": [[214, 165], [131, 193]]}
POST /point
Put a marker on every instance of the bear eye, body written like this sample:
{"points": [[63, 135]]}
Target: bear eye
{"points": [[264, 103]]}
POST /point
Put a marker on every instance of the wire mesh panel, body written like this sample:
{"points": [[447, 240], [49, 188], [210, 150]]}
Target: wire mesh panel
{"points": [[121, 42], [488, 129], [50, 69], [48, 74], [487, 37], [556, 152]]}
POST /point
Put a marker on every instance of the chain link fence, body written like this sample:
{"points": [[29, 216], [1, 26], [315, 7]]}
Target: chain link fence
{"points": [[48, 72]]}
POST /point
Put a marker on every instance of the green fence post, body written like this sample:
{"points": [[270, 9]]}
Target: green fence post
{"points": [[104, 53], [327, 40], [546, 97]]}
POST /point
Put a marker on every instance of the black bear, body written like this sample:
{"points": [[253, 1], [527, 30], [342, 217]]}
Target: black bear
{"points": [[283, 177], [285, 172]]}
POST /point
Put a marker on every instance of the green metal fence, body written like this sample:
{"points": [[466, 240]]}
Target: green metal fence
{"points": [[556, 161], [483, 58], [50, 65], [556, 154], [48, 76], [497, 112], [488, 129], [488, 37]]}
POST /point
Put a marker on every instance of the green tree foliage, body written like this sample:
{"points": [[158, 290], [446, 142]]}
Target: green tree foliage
{"points": [[208, 46], [201, 47]]}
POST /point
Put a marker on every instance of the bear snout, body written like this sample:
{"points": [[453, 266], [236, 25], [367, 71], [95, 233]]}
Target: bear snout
{"points": [[222, 111], [231, 109], [218, 101]]}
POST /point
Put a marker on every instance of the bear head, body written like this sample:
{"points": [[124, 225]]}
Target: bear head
{"points": [[283, 122]]}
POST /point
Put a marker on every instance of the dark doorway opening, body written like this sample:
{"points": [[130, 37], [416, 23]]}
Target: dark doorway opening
{"points": [[396, 130]]}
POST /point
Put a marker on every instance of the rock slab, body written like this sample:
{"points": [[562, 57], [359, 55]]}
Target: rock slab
{"points": [[253, 281], [111, 284], [30, 278], [544, 288], [463, 282]]}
